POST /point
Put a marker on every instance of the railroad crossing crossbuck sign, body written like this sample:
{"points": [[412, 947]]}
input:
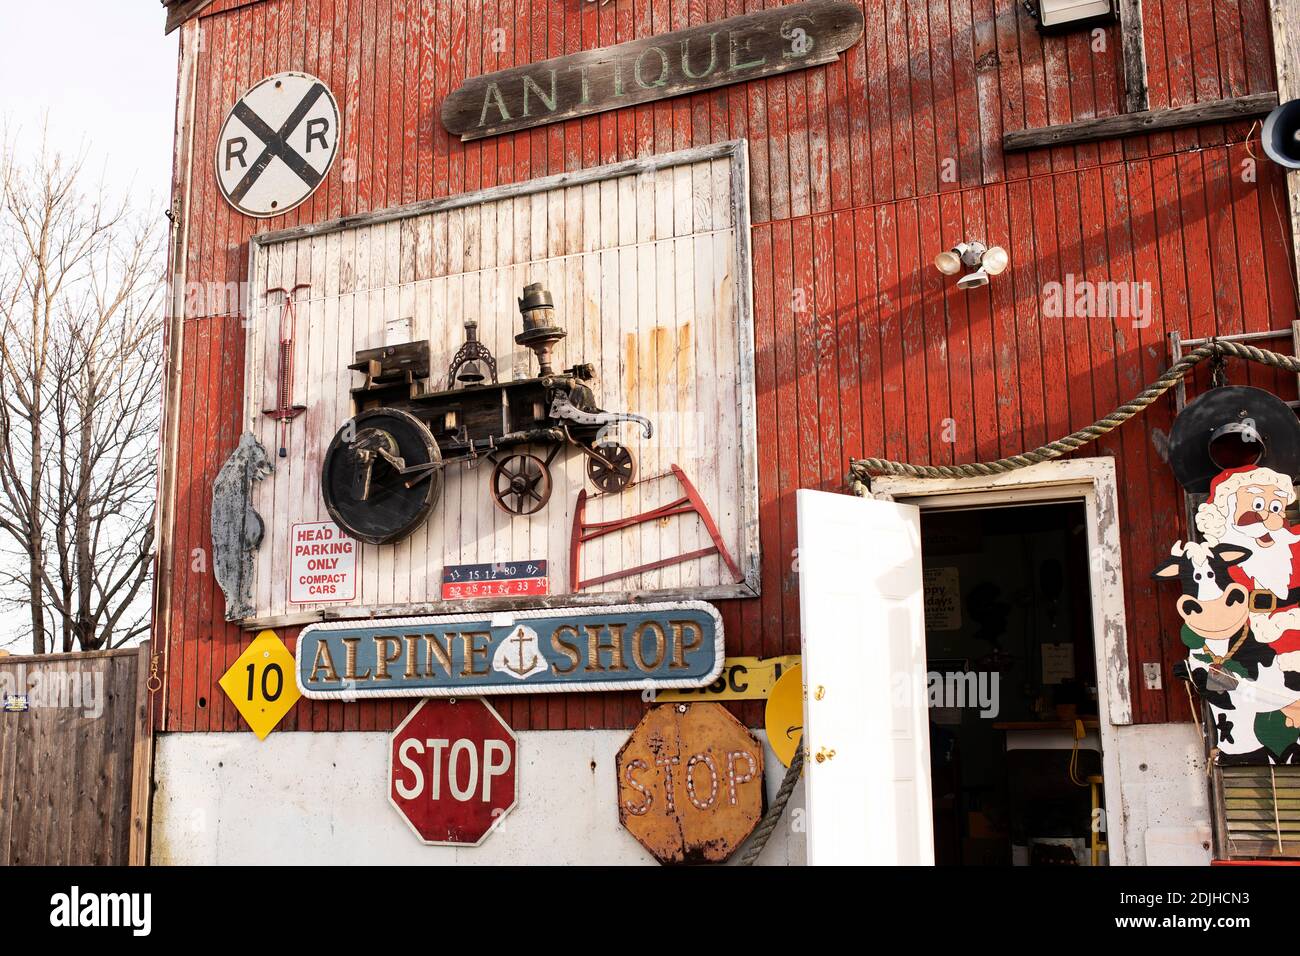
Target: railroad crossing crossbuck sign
{"points": [[278, 143]]}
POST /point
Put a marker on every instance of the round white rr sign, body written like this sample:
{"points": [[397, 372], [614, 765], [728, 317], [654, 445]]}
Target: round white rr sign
{"points": [[277, 144]]}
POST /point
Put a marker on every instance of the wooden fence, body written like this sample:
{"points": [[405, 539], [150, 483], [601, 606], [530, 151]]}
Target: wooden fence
{"points": [[75, 765]]}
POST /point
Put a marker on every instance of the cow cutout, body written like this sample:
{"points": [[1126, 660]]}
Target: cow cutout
{"points": [[1254, 701]]}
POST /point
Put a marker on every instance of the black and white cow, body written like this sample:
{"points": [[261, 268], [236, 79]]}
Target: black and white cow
{"points": [[1253, 690]]}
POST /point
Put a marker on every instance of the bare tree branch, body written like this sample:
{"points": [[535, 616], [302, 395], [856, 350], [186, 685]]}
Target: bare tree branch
{"points": [[81, 301]]}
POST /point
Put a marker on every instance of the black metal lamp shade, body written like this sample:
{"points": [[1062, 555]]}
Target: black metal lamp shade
{"points": [[1232, 426]]}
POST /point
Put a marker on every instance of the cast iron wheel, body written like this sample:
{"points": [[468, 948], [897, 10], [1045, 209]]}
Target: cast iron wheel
{"points": [[364, 492], [615, 476], [521, 484]]}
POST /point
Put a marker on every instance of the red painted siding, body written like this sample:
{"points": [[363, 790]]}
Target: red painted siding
{"points": [[861, 171]]}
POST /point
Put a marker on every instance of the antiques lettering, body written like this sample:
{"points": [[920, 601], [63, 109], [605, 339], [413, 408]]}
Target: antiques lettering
{"points": [[740, 48]]}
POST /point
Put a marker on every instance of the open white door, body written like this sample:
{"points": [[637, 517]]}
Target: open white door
{"points": [[864, 668]]}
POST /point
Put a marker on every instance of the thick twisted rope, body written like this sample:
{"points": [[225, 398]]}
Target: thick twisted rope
{"points": [[861, 469], [767, 825]]}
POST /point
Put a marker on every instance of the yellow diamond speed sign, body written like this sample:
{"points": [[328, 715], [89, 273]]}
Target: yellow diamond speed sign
{"points": [[261, 683]]}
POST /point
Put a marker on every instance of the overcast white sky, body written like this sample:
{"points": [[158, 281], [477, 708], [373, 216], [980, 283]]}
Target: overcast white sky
{"points": [[105, 75]]}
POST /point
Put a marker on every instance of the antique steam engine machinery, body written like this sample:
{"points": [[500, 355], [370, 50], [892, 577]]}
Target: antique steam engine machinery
{"points": [[383, 472]]}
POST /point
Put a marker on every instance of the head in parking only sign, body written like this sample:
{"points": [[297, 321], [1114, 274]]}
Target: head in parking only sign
{"points": [[277, 144]]}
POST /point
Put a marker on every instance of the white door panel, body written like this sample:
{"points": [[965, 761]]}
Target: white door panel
{"points": [[864, 668]]}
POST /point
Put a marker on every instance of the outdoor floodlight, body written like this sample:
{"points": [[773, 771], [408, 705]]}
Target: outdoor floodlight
{"points": [[979, 261]]}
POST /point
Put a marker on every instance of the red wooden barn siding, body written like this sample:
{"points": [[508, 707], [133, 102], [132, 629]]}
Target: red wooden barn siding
{"points": [[850, 202]]}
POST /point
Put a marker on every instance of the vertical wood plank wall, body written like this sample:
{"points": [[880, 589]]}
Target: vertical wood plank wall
{"points": [[861, 171], [75, 768]]}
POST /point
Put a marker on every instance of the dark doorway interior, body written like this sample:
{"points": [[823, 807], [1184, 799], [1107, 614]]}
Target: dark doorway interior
{"points": [[1013, 684]]}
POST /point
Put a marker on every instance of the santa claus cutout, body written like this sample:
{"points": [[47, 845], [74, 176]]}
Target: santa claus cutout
{"points": [[1247, 508]]}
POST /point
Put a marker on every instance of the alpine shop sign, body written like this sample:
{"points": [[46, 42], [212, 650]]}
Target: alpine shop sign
{"points": [[627, 647], [740, 48]]}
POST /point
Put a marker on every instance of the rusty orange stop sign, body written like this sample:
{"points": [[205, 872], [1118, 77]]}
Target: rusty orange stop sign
{"points": [[690, 783]]}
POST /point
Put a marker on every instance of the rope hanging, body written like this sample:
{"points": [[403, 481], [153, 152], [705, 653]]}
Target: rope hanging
{"points": [[763, 832], [861, 469]]}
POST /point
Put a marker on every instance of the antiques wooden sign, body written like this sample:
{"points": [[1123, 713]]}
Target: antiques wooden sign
{"points": [[626, 647], [734, 50], [690, 783], [453, 771]]}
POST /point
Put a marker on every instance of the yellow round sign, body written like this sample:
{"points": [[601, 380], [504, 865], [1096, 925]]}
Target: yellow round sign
{"points": [[783, 718]]}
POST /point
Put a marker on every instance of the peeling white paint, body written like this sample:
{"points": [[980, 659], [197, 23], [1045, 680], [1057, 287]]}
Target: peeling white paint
{"points": [[1162, 771]]}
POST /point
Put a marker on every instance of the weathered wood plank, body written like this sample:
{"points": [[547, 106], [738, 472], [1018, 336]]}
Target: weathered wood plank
{"points": [[178, 11], [73, 768], [681, 221], [1132, 124], [141, 760], [1133, 53], [1285, 18]]}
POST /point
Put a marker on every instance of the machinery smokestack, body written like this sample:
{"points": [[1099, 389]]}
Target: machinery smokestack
{"points": [[540, 331]]}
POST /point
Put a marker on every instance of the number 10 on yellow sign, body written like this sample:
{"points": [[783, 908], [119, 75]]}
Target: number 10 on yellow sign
{"points": [[261, 683]]}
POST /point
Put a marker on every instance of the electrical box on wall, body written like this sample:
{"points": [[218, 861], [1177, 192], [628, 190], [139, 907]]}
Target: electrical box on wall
{"points": [[1057, 16]]}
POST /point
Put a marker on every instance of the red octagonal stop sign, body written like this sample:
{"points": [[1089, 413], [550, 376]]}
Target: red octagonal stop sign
{"points": [[453, 771]]}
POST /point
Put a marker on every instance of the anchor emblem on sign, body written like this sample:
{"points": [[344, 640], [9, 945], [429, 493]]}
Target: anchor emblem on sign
{"points": [[518, 655]]}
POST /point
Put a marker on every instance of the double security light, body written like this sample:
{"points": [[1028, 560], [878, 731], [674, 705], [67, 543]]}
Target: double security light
{"points": [[979, 261]]}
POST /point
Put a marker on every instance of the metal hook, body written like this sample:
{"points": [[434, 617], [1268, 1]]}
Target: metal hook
{"points": [[1218, 366]]}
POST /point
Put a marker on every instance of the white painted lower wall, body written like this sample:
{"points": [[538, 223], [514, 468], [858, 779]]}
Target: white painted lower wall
{"points": [[1165, 795], [322, 798]]}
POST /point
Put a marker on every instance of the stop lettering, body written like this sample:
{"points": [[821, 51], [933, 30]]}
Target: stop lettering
{"points": [[453, 771]]}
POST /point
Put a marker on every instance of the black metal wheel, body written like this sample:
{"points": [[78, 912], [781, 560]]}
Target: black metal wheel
{"points": [[521, 484], [617, 474], [366, 491]]}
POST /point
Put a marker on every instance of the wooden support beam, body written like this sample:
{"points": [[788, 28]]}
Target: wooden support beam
{"points": [[1285, 15], [141, 761], [1134, 56], [1150, 121], [178, 11]]}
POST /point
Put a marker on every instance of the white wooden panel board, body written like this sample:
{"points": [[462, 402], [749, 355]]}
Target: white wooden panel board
{"points": [[642, 259]]}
